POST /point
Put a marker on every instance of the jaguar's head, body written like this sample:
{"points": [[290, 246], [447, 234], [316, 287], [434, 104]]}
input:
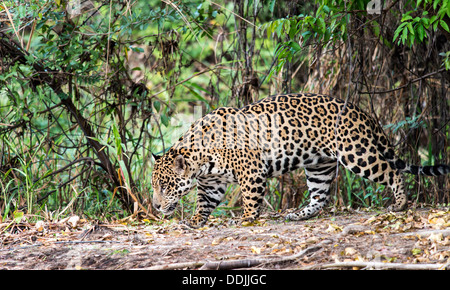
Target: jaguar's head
{"points": [[170, 181]]}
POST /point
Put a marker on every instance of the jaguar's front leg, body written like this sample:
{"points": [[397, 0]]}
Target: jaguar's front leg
{"points": [[209, 196], [252, 190]]}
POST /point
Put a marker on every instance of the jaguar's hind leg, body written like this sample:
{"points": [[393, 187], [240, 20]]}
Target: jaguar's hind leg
{"points": [[319, 179], [376, 168]]}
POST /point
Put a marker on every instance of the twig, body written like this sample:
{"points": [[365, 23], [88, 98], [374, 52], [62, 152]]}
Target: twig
{"points": [[12, 24], [381, 265], [87, 242], [235, 264], [406, 85], [300, 254], [59, 242], [238, 16], [87, 159], [175, 266], [422, 233]]}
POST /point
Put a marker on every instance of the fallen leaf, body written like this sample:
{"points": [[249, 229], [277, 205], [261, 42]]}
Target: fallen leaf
{"points": [[64, 220], [256, 250], [440, 219], [39, 226], [416, 251], [73, 220], [371, 220], [332, 228], [350, 251], [175, 233], [312, 240], [106, 237], [18, 215], [436, 237], [229, 239], [246, 224], [272, 245]]}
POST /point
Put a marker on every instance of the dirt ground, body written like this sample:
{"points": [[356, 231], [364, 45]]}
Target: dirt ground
{"points": [[415, 239]]}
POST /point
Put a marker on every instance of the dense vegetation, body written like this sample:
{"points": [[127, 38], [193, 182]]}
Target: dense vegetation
{"points": [[88, 89]]}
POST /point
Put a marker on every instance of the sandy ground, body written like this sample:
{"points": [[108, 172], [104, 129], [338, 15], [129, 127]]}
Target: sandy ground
{"points": [[417, 238]]}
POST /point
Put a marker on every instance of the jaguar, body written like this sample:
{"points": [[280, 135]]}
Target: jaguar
{"points": [[270, 137]]}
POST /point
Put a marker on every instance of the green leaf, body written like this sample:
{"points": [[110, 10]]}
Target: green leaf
{"points": [[425, 22], [444, 25], [436, 2], [136, 49], [198, 87], [157, 105], [18, 215], [398, 30], [272, 6], [404, 35], [117, 139], [295, 46], [165, 120], [421, 32], [396, 33], [293, 30], [433, 18], [196, 95], [279, 28], [406, 18], [322, 25], [416, 251], [410, 28]]}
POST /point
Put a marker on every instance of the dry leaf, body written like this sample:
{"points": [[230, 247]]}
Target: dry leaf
{"points": [[64, 220], [272, 245], [73, 221], [332, 228], [106, 237], [256, 250], [246, 224], [175, 233], [416, 251], [39, 226], [436, 237], [216, 242], [350, 251], [312, 240]]}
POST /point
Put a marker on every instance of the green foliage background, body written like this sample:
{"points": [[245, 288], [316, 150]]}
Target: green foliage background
{"points": [[88, 89]]}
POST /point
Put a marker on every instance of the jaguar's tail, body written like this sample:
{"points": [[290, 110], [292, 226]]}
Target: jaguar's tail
{"points": [[440, 169], [435, 170], [388, 153], [402, 166]]}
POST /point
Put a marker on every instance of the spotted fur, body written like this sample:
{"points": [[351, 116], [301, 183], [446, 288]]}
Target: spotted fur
{"points": [[273, 136]]}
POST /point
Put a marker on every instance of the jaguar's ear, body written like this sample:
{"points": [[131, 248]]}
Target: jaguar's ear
{"points": [[156, 157], [179, 164]]}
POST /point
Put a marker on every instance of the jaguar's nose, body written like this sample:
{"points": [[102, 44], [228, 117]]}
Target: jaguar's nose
{"points": [[156, 204]]}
